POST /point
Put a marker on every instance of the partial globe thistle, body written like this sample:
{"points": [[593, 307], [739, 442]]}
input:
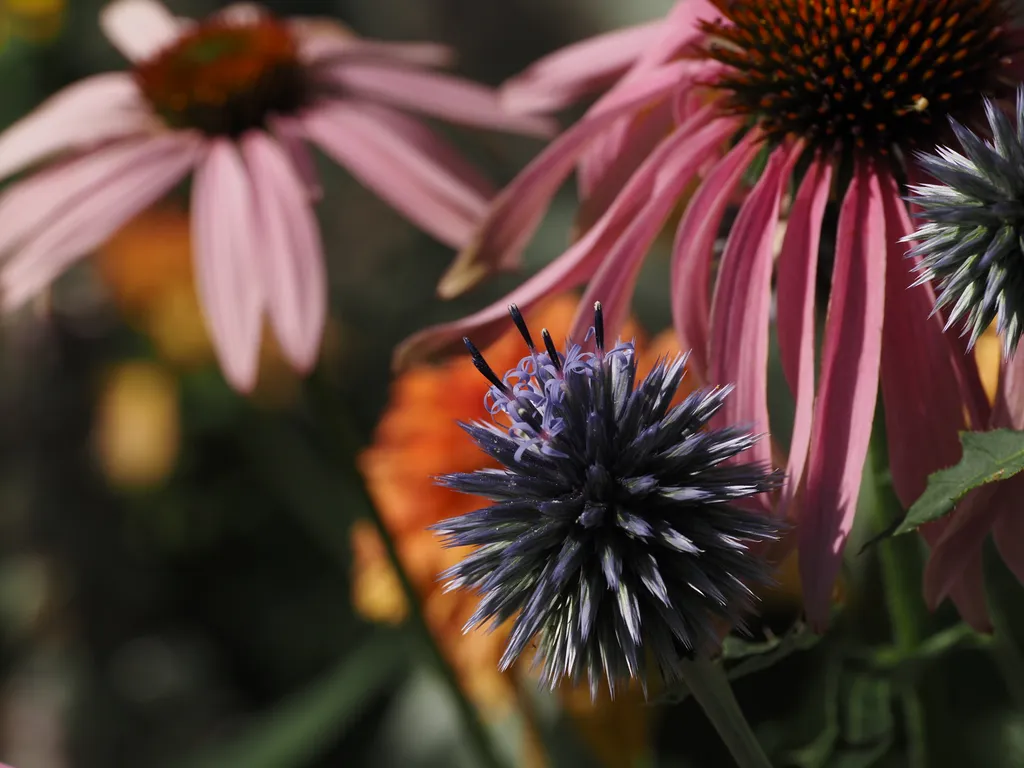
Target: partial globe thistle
{"points": [[613, 537], [971, 244]]}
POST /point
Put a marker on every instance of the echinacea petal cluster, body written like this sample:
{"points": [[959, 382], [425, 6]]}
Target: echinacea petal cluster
{"points": [[970, 243], [834, 97], [616, 535], [236, 101]]}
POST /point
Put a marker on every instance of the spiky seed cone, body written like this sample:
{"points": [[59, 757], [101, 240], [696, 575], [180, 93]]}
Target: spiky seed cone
{"points": [[969, 243], [613, 537]]}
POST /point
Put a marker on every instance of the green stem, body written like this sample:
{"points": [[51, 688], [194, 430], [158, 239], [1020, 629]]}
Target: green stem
{"points": [[1005, 653], [902, 566], [344, 447], [487, 753], [710, 687]]}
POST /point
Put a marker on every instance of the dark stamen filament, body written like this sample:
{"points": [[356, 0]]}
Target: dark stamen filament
{"points": [[484, 368], [598, 326], [517, 318], [549, 345]]}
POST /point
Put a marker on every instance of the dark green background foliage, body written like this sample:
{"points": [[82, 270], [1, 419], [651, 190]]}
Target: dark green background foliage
{"points": [[207, 622]]}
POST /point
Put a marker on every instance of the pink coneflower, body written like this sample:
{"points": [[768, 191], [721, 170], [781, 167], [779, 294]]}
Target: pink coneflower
{"points": [[838, 93], [237, 98]]}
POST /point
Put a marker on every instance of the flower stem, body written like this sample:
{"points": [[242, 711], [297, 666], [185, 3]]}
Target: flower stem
{"points": [[712, 690], [1005, 652], [487, 753], [344, 447], [902, 564]]}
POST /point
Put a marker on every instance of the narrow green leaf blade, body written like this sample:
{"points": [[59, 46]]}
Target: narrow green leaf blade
{"points": [[987, 458], [302, 726]]}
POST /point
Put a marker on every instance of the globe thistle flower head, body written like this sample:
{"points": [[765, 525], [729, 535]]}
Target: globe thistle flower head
{"points": [[970, 244], [613, 536]]}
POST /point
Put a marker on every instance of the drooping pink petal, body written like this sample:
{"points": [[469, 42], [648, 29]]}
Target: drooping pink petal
{"points": [[963, 534], [412, 182], [798, 268], [1008, 529], [1009, 406], [420, 135], [289, 251], [680, 29], [599, 179], [740, 311], [29, 206], [228, 279], [672, 165], [432, 93], [288, 131], [241, 14], [924, 410], [964, 531], [519, 208], [93, 110], [968, 595], [693, 249], [139, 28], [570, 269], [617, 151], [847, 391], [323, 40], [566, 272], [123, 189], [578, 70], [968, 591]]}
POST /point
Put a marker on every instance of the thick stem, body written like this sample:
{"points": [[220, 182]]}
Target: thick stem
{"points": [[344, 446], [902, 564], [710, 687]]}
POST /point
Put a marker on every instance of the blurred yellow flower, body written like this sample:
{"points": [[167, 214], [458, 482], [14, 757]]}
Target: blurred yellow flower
{"points": [[988, 353], [136, 430], [35, 21]]}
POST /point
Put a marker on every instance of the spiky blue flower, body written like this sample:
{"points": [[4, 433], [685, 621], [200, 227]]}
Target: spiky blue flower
{"points": [[613, 537], [971, 244]]}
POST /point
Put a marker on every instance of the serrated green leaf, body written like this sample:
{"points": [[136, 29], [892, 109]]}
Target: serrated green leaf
{"points": [[988, 457], [293, 733]]}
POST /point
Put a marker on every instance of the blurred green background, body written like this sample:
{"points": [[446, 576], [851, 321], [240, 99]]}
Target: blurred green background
{"points": [[176, 561]]}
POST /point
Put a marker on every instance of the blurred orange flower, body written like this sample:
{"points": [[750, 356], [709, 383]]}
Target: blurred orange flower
{"points": [[417, 439]]}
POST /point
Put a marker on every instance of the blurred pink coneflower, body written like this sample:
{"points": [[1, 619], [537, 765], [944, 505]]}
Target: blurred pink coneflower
{"points": [[237, 98], [835, 96]]}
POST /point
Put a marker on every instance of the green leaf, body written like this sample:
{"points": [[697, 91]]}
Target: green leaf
{"points": [[742, 657], [988, 457], [292, 734]]}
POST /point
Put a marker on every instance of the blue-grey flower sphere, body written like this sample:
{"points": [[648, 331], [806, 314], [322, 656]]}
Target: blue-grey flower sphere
{"points": [[970, 244], [614, 538]]}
